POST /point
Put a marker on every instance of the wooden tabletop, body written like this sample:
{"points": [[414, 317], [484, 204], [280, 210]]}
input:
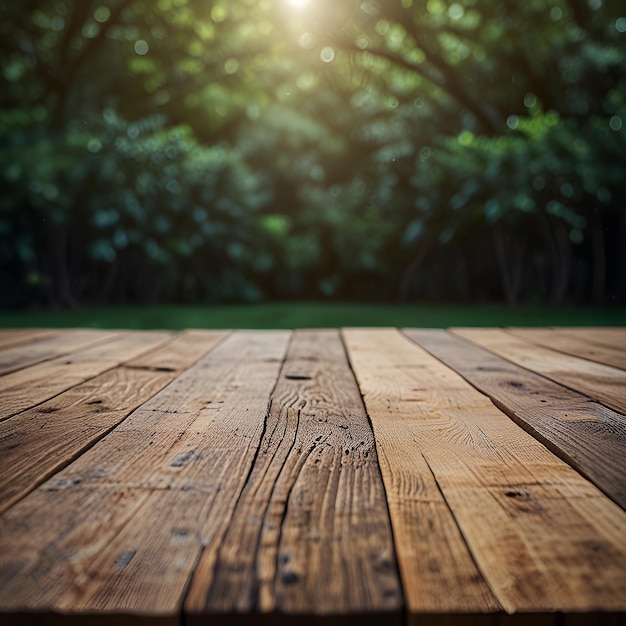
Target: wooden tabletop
{"points": [[469, 476]]}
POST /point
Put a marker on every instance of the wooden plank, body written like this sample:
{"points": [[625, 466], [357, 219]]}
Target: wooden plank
{"points": [[19, 357], [186, 349], [152, 494], [602, 382], [585, 434], [39, 442], [27, 388], [436, 567], [581, 347], [613, 337], [10, 338], [310, 534], [544, 538], [91, 521]]}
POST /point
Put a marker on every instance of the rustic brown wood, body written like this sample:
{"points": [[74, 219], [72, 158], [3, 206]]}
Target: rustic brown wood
{"points": [[438, 572], [310, 533], [613, 337], [543, 537], [29, 387], [129, 518], [585, 434], [180, 354], [10, 338], [602, 382], [39, 442], [19, 357], [581, 346], [227, 496]]}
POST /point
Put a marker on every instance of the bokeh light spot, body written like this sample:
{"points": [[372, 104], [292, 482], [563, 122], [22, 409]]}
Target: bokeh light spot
{"points": [[218, 13], [231, 66], [57, 23], [466, 138], [556, 13], [512, 121], [530, 100], [456, 11], [327, 54], [141, 47], [94, 146], [102, 14]]}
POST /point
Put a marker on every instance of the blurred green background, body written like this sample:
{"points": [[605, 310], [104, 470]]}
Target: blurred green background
{"points": [[312, 315], [255, 151]]}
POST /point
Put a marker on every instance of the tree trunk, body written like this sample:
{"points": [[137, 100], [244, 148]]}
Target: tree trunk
{"points": [[598, 281], [405, 283], [563, 263], [511, 266], [62, 280]]}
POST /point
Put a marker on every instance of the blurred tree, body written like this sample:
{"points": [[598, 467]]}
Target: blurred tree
{"points": [[525, 110], [241, 149]]}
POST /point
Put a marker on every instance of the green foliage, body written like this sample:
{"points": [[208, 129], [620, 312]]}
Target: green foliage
{"points": [[245, 149], [134, 203]]}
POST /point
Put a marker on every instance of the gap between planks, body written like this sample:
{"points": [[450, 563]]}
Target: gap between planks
{"points": [[24, 389], [154, 491], [39, 442], [604, 383], [587, 435], [202, 477], [114, 482], [46, 348], [12, 337], [582, 346], [513, 501], [310, 532]]}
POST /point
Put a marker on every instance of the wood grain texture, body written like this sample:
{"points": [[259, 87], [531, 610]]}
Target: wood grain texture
{"points": [[39, 442], [601, 382], [29, 387], [228, 496], [12, 337], [543, 537], [613, 337], [579, 346], [130, 517], [19, 357], [310, 534], [587, 435], [186, 349], [438, 572]]}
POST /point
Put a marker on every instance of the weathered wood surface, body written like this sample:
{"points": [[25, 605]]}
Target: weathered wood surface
{"points": [[310, 477], [439, 574], [512, 500], [610, 337], [19, 356], [10, 338], [158, 488], [601, 382], [39, 442], [29, 387], [580, 346], [586, 434], [313, 504]]}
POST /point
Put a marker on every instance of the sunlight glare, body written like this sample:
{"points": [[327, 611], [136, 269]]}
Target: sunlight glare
{"points": [[299, 4]]}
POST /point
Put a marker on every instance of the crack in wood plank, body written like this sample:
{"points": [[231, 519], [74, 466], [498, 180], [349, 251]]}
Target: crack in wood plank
{"points": [[290, 526]]}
